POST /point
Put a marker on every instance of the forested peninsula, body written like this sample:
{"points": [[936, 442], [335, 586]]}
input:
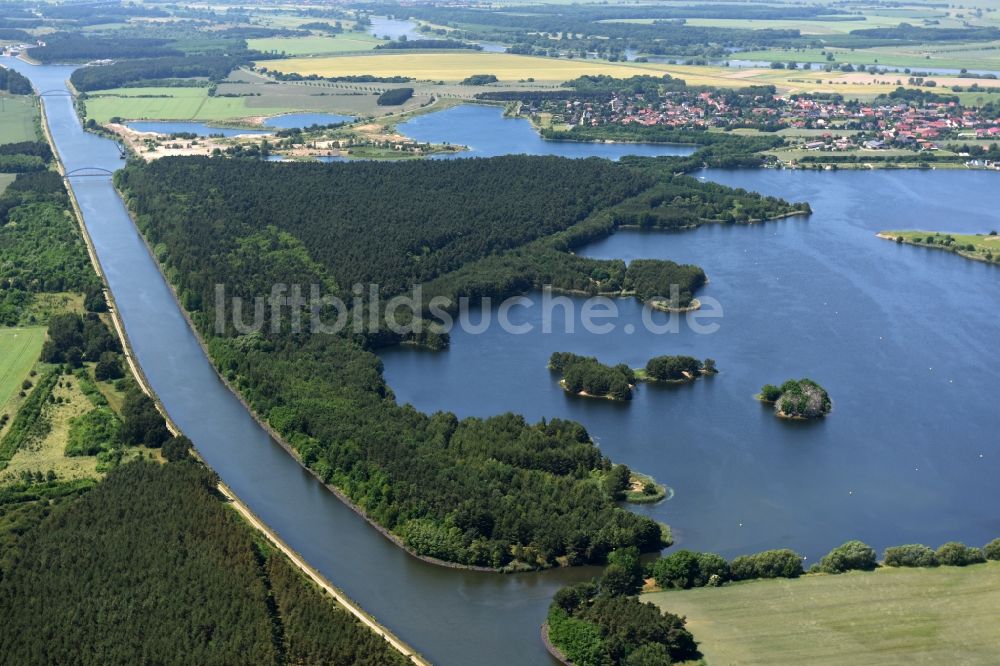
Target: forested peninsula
{"points": [[525, 495]]}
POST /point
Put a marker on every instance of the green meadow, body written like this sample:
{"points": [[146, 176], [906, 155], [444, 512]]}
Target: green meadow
{"points": [[945, 615]]}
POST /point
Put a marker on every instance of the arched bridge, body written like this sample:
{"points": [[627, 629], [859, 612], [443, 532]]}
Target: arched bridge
{"points": [[88, 172], [56, 91]]}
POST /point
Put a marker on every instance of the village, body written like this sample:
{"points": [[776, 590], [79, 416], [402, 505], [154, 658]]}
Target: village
{"points": [[900, 120]]}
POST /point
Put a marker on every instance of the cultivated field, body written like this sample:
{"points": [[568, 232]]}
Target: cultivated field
{"points": [[457, 66], [946, 615], [17, 118], [315, 44], [510, 69], [19, 350], [948, 55]]}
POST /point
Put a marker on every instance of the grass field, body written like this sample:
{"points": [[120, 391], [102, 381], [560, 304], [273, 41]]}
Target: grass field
{"points": [[946, 615], [19, 350], [316, 44], [5, 180], [170, 104], [17, 118]]}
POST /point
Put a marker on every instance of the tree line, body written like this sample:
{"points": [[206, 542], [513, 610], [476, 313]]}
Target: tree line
{"points": [[142, 70], [71, 47]]}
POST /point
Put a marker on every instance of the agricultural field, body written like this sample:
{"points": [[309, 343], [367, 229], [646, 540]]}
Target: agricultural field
{"points": [[945, 615], [18, 115], [185, 103], [19, 350], [457, 66], [316, 44], [973, 56], [353, 99], [511, 69]]}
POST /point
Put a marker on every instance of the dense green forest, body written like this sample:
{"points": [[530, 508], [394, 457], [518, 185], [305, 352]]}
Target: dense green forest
{"points": [[70, 47], [151, 567], [144, 70], [475, 227]]}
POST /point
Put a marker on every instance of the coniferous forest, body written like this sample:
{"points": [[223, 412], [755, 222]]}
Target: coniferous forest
{"points": [[151, 567], [496, 492]]}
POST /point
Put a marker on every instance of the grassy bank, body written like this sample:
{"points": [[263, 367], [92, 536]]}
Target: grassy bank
{"points": [[19, 349], [944, 615], [981, 247]]}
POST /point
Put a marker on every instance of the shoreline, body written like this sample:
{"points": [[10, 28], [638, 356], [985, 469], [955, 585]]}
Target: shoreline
{"points": [[584, 394], [551, 648], [657, 304]]}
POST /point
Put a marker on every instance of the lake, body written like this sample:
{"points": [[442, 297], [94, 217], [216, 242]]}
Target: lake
{"points": [[487, 133], [901, 337]]}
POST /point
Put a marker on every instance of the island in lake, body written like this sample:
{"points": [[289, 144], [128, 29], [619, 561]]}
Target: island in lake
{"points": [[797, 399], [587, 377], [675, 369]]}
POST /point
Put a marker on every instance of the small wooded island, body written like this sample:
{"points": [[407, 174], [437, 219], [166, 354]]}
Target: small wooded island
{"points": [[587, 377], [797, 399]]}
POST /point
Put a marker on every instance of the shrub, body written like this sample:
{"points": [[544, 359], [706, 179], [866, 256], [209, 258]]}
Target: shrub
{"points": [[89, 434], [780, 563], [910, 555], [770, 393], [853, 555], [176, 449], [108, 367], [992, 550], [957, 554]]}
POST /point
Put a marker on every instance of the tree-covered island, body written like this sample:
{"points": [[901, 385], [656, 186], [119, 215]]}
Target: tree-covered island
{"points": [[588, 377], [797, 399], [675, 369]]}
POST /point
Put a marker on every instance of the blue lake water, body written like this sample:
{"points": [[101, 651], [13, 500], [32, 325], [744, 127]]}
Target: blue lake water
{"points": [[903, 338], [391, 28], [200, 129], [293, 120], [487, 133]]}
